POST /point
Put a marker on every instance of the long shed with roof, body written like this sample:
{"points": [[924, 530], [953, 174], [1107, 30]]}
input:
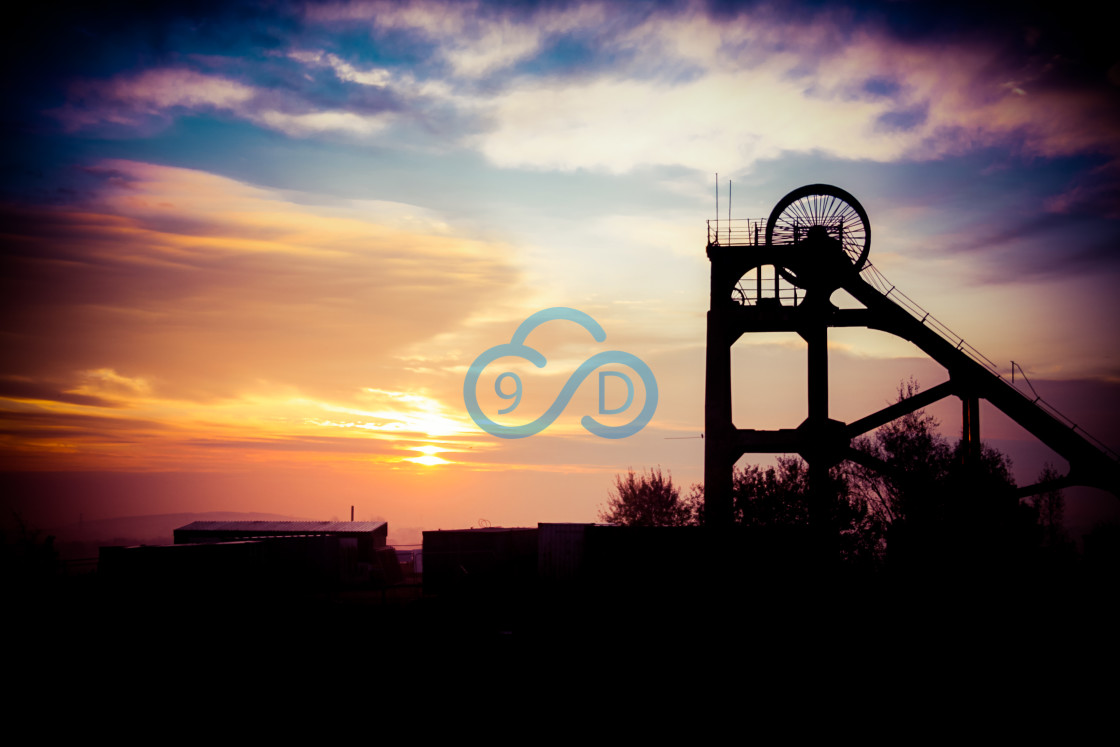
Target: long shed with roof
{"points": [[369, 535], [346, 551], [225, 531]]}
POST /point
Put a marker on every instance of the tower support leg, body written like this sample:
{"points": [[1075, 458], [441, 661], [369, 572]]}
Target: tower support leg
{"points": [[970, 429], [719, 431], [817, 449]]}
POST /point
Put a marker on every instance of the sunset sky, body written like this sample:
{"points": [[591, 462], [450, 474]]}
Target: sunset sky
{"points": [[251, 249]]}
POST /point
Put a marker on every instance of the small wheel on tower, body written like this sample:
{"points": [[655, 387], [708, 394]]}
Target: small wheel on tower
{"points": [[829, 207]]}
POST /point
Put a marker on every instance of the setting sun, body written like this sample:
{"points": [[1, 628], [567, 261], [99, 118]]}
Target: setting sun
{"points": [[429, 459]]}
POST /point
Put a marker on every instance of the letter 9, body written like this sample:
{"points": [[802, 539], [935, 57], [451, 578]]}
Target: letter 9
{"points": [[515, 396]]}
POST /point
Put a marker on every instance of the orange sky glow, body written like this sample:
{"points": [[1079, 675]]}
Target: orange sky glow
{"points": [[254, 278]]}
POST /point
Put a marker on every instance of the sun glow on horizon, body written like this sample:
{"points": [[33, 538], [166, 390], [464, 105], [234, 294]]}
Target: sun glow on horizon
{"points": [[429, 459]]}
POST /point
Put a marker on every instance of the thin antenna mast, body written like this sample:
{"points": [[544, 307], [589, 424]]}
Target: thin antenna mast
{"points": [[729, 212], [717, 207]]}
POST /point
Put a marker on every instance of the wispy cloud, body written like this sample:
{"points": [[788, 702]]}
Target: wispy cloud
{"points": [[630, 89], [176, 287], [136, 99], [757, 88], [472, 38], [374, 76], [151, 99]]}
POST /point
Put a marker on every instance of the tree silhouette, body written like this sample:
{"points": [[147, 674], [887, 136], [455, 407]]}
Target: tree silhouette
{"points": [[765, 496], [928, 494], [775, 496], [1050, 507], [929, 482], [778, 497], [919, 458], [648, 500], [933, 501]]}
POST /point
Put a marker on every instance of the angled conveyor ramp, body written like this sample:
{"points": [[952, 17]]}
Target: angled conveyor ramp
{"points": [[1089, 465]]}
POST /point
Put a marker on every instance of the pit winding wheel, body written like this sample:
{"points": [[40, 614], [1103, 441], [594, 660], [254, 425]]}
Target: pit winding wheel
{"points": [[828, 207]]}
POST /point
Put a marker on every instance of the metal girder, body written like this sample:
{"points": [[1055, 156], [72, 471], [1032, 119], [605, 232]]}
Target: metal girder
{"points": [[968, 378], [899, 409]]}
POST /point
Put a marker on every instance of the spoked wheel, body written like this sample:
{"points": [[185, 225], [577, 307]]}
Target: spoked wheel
{"points": [[823, 205]]}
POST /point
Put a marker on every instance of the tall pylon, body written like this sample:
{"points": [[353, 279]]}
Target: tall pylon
{"points": [[779, 277]]}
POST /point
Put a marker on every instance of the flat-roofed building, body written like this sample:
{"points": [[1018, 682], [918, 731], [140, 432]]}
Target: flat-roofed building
{"points": [[368, 536]]}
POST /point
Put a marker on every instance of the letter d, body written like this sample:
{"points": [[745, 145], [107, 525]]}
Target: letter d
{"points": [[603, 388]]}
